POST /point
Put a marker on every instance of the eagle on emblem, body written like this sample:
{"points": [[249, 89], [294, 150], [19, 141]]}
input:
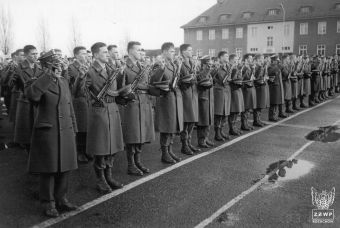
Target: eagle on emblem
{"points": [[323, 200]]}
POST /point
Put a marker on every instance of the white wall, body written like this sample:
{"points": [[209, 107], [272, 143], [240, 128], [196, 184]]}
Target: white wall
{"points": [[259, 41]]}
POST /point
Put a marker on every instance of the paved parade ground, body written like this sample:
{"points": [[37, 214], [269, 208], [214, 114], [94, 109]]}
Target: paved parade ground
{"points": [[225, 186]]}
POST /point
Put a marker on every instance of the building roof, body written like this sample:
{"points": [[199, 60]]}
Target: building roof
{"points": [[258, 9]]}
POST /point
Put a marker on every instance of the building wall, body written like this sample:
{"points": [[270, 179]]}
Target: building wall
{"points": [[257, 41], [218, 44], [330, 39]]}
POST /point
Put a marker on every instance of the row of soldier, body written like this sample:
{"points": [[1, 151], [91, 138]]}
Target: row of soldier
{"points": [[113, 104]]}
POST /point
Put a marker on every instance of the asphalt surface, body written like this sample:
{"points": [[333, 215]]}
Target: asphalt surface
{"points": [[189, 194]]}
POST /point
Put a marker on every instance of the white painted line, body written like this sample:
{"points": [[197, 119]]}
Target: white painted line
{"points": [[294, 125], [232, 202], [152, 176]]}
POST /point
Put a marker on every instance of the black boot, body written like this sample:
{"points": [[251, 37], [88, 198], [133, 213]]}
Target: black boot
{"points": [[110, 180], [50, 209], [295, 107], [302, 104], [232, 125], [209, 143], [244, 122], [138, 162], [193, 148], [281, 113], [64, 205], [132, 168], [102, 185], [218, 136], [224, 135], [289, 107], [202, 143], [166, 158], [185, 147], [173, 155], [256, 118]]}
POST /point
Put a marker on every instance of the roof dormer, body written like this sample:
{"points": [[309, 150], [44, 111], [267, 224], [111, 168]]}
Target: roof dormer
{"points": [[273, 12], [224, 17], [305, 9], [337, 6], [247, 15], [203, 19]]}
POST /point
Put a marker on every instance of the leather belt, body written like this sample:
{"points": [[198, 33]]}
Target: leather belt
{"points": [[109, 99], [141, 91]]}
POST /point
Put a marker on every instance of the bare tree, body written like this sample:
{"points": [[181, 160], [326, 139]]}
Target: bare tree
{"points": [[75, 35], [43, 34], [6, 32], [124, 42]]}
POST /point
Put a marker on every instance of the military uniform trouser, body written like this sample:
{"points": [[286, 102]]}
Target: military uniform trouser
{"points": [[273, 112], [101, 161], [220, 121], [53, 186], [187, 131], [203, 133], [166, 139]]}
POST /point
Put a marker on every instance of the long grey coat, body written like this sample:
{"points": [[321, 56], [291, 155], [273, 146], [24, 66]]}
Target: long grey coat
{"points": [[276, 87], [53, 147], [137, 116], [24, 111], [189, 95], [222, 92], [104, 130], [79, 99], [169, 106]]}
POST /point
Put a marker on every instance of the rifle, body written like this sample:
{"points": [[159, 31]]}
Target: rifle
{"points": [[103, 92]]}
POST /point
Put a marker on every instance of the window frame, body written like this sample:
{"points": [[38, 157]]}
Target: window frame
{"points": [[212, 34], [239, 33], [320, 28], [305, 30], [199, 37]]}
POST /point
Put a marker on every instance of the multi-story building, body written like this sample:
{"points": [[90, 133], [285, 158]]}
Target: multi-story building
{"points": [[266, 26]]}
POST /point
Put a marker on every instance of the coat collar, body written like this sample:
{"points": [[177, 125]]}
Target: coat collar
{"points": [[133, 67], [99, 69], [32, 73]]}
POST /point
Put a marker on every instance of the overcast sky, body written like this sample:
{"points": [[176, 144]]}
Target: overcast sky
{"points": [[151, 22]]}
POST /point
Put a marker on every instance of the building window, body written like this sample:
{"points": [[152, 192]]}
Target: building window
{"points": [[303, 28], [225, 34], [270, 41], [337, 6], [239, 33], [224, 17], [199, 35], [253, 31], [199, 52], [211, 34], [287, 48], [302, 49], [212, 52], [238, 52], [321, 49], [247, 15], [272, 12], [322, 27], [286, 30], [337, 49], [338, 27], [270, 27], [202, 19], [305, 9], [254, 49]]}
